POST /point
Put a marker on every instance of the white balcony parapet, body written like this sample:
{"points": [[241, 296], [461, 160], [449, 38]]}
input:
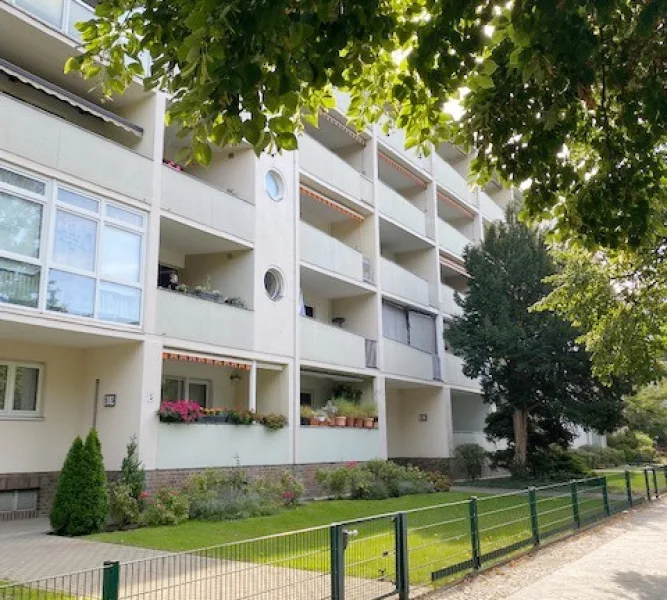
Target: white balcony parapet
{"points": [[326, 252], [406, 361], [401, 210], [196, 200], [396, 140], [56, 143], [489, 209], [449, 178], [338, 444], [324, 343], [402, 283], [323, 164], [454, 373], [188, 318], [452, 239], [447, 303], [201, 445]]}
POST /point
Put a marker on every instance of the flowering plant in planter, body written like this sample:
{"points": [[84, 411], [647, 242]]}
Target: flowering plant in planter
{"points": [[215, 415], [181, 411], [274, 421], [241, 416]]}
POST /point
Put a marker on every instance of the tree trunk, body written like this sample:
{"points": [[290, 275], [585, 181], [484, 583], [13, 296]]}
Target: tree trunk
{"points": [[520, 422]]}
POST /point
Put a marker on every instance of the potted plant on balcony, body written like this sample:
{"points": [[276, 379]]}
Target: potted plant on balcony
{"points": [[205, 291], [368, 414], [307, 415], [274, 421], [322, 418], [215, 415], [346, 410], [180, 411], [241, 416]]}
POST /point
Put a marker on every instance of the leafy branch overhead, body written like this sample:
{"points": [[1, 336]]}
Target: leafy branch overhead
{"points": [[567, 95]]}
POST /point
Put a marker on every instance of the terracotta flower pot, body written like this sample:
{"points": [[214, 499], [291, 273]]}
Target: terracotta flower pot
{"points": [[324, 423], [340, 421], [368, 423], [358, 422], [331, 421], [314, 422], [349, 421]]}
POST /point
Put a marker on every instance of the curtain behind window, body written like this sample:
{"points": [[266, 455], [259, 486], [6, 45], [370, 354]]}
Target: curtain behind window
{"points": [[394, 323], [422, 331]]}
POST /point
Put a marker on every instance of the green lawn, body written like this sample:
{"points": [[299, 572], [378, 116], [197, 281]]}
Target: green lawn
{"points": [[20, 592], [438, 537]]}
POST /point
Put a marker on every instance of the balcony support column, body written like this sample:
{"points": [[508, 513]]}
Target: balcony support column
{"points": [[252, 387]]}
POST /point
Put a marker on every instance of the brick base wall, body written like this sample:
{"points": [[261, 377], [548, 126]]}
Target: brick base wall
{"points": [[44, 483]]}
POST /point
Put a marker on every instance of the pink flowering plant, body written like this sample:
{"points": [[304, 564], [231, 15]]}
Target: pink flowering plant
{"points": [[180, 411]]}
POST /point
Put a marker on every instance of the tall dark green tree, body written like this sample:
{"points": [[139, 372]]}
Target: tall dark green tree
{"points": [[529, 364]]}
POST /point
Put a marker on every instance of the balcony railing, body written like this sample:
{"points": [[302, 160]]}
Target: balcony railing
{"points": [[54, 142], [401, 359], [447, 303], [449, 178], [396, 139], [188, 318], [454, 373], [326, 252], [324, 343], [401, 210], [452, 239], [196, 200], [323, 164], [489, 208], [338, 444], [402, 283]]}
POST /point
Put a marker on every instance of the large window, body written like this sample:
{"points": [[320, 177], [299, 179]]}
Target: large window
{"points": [[63, 250], [19, 389], [185, 388], [409, 327]]}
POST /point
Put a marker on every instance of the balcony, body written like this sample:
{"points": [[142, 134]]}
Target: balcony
{"points": [[454, 373], [450, 179], [54, 142], [400, 282], [339, 444], [452, 239], [188, 318], [406, 361], [326, 252], [331, 345], [330, 169], [396, 141], [489, 209], [447, 303], [402, 211], [194, 199], [200, 445]]}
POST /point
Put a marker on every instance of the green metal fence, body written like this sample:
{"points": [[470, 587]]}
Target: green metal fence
{"points": [[398, 555]]}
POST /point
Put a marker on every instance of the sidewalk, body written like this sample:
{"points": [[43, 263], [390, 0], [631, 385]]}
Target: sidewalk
{"points": [[625, 559]]}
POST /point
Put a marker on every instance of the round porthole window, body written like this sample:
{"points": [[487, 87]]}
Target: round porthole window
{"points": [[274, 185], [273, 284]]}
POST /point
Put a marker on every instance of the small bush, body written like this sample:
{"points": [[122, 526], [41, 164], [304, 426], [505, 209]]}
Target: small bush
{"points": [[166, 507], [335, 481], [557, 463], [596, 457], [65, 503], [440, 481], [124, 508], [132, 471], [472, 458], [291, 489], [637, 447]]}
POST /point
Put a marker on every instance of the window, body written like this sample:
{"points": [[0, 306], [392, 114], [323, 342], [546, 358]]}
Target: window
{"points": [[274, 185], [19, 389], [409, 327], [306, 399], [184, 388], [273, 284], [93, 265], [18, 500]]}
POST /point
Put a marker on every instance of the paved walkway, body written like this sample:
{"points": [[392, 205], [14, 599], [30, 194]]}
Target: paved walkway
{"points": [[626, 559]]}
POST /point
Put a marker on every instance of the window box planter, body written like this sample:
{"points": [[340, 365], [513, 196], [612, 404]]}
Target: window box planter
{"points": [[215, 419]]}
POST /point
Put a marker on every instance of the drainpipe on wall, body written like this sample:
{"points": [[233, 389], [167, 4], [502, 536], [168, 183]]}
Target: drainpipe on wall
{"points": [[96, 398]]}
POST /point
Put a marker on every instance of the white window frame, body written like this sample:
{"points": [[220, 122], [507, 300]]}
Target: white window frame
{"points": [[186, 386], [8, 411], [45, 261]]}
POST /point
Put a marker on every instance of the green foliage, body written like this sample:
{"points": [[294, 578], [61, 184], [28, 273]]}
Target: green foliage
{"points": [[472, 457], [637, 447], [131, 470], [374, 480], [440, 481], [346, 392], [124, 507], [556, 463], [274, 421], [166, 507], [646, 411], [529, 364], [596, 457], [80, 505]]}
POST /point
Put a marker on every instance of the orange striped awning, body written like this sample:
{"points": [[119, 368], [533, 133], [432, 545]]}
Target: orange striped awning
{"points": [[205, 360], [343, 127], [348, 212], [453, 265], [402, 170], [456, 203]]}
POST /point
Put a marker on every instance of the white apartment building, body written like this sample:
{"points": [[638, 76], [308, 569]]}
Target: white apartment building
{"points": [[342, 259]]}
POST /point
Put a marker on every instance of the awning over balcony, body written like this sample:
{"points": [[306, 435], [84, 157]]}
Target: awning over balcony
{"points": [[456, 204], [206, 360], [348, 212], [11, 70], [453, 265]]}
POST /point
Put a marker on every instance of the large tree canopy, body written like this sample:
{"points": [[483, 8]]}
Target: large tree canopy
{"points": [[567, 96], [529, 363]]}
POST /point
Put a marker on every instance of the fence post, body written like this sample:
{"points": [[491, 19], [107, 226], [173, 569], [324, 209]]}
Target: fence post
{"points": [[628, 488], [534, 523], [648, 485], [402, 568], [605, 497], [110, 580], [575, 504], [655, 482], [337, 544], [474, 534]]}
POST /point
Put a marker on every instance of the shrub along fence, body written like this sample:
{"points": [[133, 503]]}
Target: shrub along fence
{"points": [[393, 555]]}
